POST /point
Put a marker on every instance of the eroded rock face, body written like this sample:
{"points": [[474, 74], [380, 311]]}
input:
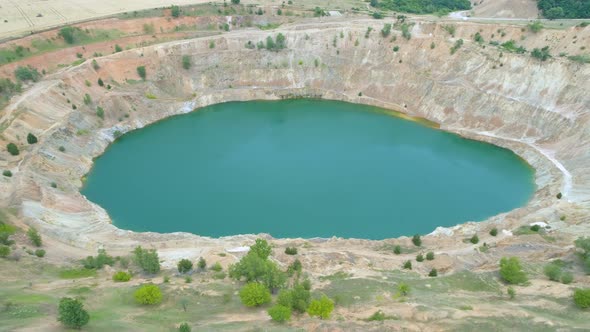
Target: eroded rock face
{"points": [[539, 110]]}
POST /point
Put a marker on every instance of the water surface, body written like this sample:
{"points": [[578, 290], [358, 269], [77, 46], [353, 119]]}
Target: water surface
{"points": [[302, 168]]}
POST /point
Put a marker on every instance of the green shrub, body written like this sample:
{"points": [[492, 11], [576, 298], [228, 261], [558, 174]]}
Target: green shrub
{"points": [[100, 82], [40, 253], [536, 26], [386, 30], [403, 289], [62, 149], [261, 248], [474, 239], [35, 237], [7, 173], [148, 294], [377, 15], [478, 38], [408, 265], [216, 267], [511, 293], [397, 250], [100, 112], [582, 298], [511, 271], [27, 73], [416, 240], [254, 294], [541, 54], [186, 62], [291, 251], [552, 271], [456, 46], [219, 275], [406, 31], [535, 228], [294, 267], [212, 44], [567, 278], [118, 48], [141, 72], [12, 149], [430, 256], [148, 260], [494, 231], [71, 313], [235, 2], [31, 139], [188, 279], [185, 266], [419, 258], [396, 48], [175, 11], [4, 251], [202, 264], [184, 327], [67, 33], [321, 308], [121, 276], [77, 273], [98, 262], [297, 299], [96, 67], [279, 313], [433, 273]]}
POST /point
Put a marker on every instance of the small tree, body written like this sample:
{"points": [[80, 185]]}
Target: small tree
{"points": [[254, 294], [186, 62], [280, 313], [433, 273], [148, 260], [494, 231], [67, 33], [12, 149], [100, 82], [31, 139], [430, 256], [420, 258], [582, 298], [175, 11], [386, 30], [416, 240], [261, 248], [71, 313], [511, 271], [291, 251], [148, 294], [185, 265], [397, 250], [118, 48], [321, 308], [141, 72], [34, 236], [27, 73]]}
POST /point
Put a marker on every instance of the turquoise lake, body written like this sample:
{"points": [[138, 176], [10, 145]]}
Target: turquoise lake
{"points": [[302, 168]]}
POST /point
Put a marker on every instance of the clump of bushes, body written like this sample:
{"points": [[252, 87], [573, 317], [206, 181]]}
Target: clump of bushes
{"points": [[430, 256], [279, 313], [99, 261], [511, 271], [27, 73], [71, 313], [147, 260], [148, 294], [321, 308], [416, 240], [254, 294], [185, 266], [35, 237], [582, 298], [291, 251]]}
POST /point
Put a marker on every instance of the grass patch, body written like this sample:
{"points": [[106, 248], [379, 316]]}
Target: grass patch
{"points": [[269, 26], [584, 58], [340, 275], [77, 273]]}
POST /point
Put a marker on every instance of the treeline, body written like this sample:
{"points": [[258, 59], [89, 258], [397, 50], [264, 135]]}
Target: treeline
{"points": [[556, 9], [422, 6]]}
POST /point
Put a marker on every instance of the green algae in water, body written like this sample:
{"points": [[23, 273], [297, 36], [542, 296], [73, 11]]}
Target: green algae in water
{"points": [[302, 168]]}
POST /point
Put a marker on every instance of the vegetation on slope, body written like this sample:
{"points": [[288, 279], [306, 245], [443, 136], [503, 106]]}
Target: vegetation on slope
{"points": [[422, 6], [556, 9]]}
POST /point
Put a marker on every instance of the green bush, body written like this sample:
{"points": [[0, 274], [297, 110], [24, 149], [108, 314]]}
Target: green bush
{"points": [[456, 46], [552, 271], [98, 262], [202, 264], [100, 112], [235, 2], [433, 273], [291, 251], [386, 30], [12, 149], [148, 294], [397, 250], [511, 293], [321, 308], [35, 237], [494, 231], [279, 313], [408, 265], [175, 11], [67, 33], [406, 31], [541, 54], [474, 239], [184, 327], [186, 62], [141, 72], [396, 48], [118, 48], [217, 267], [148, 260], [71, 313], [582, 298], [4, 251], [403, 289], [7, 173], [40, 253], [297, 299], [261, 248], [511, 271], [121, 276], [254, 294], [535, 228], [419, 258], [27, 73], [185, 266], [416, 240], [536, 26], [31, 139], [430, 256], [567, 278]]}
